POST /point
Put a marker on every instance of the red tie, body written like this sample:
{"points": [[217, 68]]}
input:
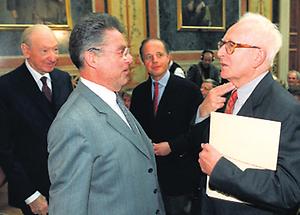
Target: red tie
{"points": [[231, 102], [155, 99]]}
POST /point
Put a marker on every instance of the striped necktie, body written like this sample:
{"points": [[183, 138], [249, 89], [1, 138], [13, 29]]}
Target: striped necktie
{"points": [[126, 114], [231, 102], [45, 89]]}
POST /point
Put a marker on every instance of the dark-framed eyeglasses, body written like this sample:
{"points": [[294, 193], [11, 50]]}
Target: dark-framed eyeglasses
{"points": [[230, 46], [125, 52]]}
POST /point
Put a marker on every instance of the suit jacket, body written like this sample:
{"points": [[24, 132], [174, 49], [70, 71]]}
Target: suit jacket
{"points": [[266, 191], [176, 109], [97, 164], [26, 116], [196, 74]]}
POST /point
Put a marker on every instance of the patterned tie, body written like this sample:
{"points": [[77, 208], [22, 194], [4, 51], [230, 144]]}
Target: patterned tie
{"points": [[155, 98], [45, 89], [126, 114], [231, 102]]}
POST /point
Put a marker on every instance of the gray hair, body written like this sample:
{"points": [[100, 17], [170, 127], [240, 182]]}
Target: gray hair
{"points": [[26, 35], [212, 81], [296, 72], [90, 31], [266, 33]]}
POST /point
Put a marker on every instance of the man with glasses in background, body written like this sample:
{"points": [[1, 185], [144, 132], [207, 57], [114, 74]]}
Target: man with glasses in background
{"points": [[165, 105], [100, 159], [246, 54]]}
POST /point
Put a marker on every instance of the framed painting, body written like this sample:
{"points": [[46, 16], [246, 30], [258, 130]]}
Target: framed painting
{"points": [[262, 7], [201, 14], [18, 14]]}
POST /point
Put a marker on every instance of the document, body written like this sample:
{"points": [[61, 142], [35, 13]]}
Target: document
{"points": [[247, 142]]}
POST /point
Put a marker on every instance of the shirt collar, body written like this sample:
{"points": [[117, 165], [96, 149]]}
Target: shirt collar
{"points": [[105, 94], [36, 75], [245, 91], [164, 80], [250, 86]]}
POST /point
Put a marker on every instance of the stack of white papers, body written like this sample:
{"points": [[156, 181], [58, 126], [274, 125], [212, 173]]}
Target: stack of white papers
{"points": [[247, 142]]}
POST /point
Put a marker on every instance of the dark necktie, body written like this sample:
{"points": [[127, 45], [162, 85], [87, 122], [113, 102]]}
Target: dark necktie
{"points": [[126, 114], [45, 89], [155, 98], [231, 102]]}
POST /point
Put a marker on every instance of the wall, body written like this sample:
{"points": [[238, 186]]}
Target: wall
{"points": [[142, 18]]}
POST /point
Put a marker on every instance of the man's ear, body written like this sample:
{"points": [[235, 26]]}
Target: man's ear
{"points": [[90, 58], [260, 58], [25, 50]]}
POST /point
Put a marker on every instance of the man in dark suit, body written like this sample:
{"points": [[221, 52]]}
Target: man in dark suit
{"points": [[204, 69], [27, 108], [166, 115], [246, 54]]}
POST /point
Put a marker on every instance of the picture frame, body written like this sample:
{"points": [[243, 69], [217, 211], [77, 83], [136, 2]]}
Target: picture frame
{"points": [[201, 14], [20, 14]]}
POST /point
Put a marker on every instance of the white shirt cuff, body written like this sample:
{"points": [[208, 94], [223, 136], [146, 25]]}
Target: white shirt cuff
{"points": [[198, 118], [32, 197]]}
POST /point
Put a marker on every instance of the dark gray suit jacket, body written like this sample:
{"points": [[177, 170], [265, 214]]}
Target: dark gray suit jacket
{"points": [[266, 191]]}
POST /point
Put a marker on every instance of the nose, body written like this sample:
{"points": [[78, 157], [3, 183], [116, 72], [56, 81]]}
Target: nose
{"points": [[221, 51], [53, 56], [129, 58]]}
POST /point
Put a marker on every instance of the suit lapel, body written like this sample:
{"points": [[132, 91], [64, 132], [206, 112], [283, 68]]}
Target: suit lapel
{"points": [[167, 94], [257, 96], [55, 88], [113, 118], [26, 83], [148, 98]]}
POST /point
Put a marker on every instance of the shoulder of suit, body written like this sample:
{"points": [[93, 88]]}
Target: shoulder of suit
{"points": [[181, 83], [60, 72], [10, 76]]}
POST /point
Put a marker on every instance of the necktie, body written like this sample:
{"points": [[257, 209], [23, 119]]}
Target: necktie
{"points": [[126, 114], [155, 98], [45, 89], [231, 102]]}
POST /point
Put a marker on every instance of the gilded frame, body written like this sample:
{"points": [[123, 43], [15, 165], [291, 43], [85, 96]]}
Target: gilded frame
{"points": [[209, 20], [66, 26]]}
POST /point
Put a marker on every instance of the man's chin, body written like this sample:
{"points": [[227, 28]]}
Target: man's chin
{"points": [[224, 74], [48, 70]]}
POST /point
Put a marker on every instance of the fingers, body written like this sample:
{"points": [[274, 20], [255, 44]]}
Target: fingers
{"points": [[223, 89], [39, 206], [215, 100]]}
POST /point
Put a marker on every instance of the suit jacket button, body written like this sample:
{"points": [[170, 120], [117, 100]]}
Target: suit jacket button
{"points": [[155, 191], [150, 170], [157, 211]]}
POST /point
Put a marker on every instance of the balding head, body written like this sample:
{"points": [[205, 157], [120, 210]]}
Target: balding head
{"points": [[40, 48], [33, 30]]}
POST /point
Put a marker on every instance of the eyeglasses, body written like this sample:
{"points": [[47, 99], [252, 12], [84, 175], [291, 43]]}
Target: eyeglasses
{"points": [[125, 52], [150, 57], [231, 46]]}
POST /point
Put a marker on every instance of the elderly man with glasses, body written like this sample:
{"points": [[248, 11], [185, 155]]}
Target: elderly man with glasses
{"points": [[246, 54]]}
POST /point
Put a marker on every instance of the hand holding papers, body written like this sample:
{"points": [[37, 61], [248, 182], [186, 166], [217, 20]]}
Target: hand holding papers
{"points": [[247, 142]]}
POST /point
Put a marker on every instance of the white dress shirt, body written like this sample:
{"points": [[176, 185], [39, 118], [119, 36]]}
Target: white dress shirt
{"points": [[108, 96], [37, 76]]}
